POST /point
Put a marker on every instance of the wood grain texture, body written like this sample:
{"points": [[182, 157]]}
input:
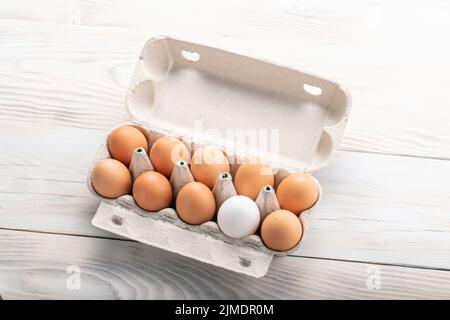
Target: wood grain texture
{"points": [[34, 266], [64, 69], [360, 44], [375, 208]]}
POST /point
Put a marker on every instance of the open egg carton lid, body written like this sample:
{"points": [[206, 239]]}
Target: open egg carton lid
{"points": [[211, 96], [214, 95]]}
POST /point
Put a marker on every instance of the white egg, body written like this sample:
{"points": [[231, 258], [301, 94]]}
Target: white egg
{"points": [[238, 217]]}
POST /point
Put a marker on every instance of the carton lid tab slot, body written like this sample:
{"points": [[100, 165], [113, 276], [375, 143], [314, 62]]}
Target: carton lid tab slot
{"points": [[315, 91], [189, 55]]}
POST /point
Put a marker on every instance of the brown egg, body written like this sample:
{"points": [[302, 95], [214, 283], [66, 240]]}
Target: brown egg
{"points": [[111, 179], [297, 192], [123, 141], [166, 152], [207, 163], [152, 191], [195, 203], [281, 230], [251, 176]]}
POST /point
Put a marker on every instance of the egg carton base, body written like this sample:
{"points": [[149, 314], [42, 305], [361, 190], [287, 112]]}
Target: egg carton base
{"points": [[162, 234]]}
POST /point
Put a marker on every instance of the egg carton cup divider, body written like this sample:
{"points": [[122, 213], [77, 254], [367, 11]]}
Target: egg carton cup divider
{"points": [[176, 83], [205, 242]]}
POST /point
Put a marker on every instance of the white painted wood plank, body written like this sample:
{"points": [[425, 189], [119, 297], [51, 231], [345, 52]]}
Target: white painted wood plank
{"points": [[56, 78], [377, 208], [359, 44], [34, 266], [384, 208]]}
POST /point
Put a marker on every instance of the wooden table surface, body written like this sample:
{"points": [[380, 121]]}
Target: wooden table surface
{"points": [[383, 228]]}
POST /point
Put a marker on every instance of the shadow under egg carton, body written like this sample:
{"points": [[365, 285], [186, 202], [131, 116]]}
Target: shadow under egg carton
{"points": [[165, 230]]}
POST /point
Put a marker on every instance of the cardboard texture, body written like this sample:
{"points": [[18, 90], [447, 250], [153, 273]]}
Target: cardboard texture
{"points": [[140, 163], [178, 86], [181, 175], [223, 189], [267, 201]]}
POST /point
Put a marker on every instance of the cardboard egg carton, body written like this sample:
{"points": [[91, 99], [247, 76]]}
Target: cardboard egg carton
{"points": [[179, 85]]}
